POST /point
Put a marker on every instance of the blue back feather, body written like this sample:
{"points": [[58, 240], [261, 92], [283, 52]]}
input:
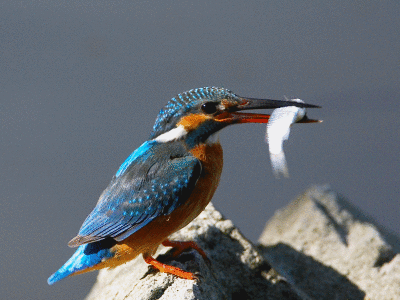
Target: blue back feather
{"points": [[134, 156]]}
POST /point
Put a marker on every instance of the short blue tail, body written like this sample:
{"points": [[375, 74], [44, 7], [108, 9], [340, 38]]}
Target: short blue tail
{"points": [[86, 256]]}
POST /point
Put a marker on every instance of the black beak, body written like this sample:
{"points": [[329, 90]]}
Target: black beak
{"points": [[253, 103], [232, 113]]}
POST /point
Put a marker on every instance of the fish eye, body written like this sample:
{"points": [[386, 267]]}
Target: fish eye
{"points": [[209, 107]]}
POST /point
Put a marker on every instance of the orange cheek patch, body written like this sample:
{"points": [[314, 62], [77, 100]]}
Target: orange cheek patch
{"points": [[192, 121]]}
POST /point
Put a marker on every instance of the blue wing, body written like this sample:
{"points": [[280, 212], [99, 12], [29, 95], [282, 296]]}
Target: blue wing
{"points": [[153, 181]]}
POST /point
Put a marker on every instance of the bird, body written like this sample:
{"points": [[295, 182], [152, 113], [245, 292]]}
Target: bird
{"points": [[164, 184]]}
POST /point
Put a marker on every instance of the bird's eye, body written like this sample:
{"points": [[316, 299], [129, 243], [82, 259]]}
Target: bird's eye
{"points": [[209, 107]]}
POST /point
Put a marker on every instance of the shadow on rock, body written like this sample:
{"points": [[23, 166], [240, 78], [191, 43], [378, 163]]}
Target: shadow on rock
{"points": [[308, 277], [236, 270]]}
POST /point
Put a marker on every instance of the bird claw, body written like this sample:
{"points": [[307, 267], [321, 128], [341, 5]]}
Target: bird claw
{"points": [[180, 247], [168, 269]]}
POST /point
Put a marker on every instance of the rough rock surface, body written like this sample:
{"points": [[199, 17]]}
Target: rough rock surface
{"points": [[320, 246], [237, 270], [327, 249]]}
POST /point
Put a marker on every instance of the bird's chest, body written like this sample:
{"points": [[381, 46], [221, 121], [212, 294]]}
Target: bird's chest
{"points": [[211, 157]]}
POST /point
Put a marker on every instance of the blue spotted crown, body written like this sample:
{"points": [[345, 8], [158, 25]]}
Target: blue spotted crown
{"points": [[185, 103]]}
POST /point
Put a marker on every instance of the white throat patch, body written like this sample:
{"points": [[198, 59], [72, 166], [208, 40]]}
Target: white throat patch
{"points": [[172, 135]]}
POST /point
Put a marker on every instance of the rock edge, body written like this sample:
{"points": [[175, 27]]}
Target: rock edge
{"points": [[327, 249]]}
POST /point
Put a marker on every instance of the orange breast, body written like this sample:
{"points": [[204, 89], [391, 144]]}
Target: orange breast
{"points": [[147, 239]]}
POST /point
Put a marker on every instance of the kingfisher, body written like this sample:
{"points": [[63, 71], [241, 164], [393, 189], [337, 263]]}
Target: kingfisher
{"points": [[164, 184]]}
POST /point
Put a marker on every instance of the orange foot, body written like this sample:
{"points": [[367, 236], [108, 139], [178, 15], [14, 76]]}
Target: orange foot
{"points": [[167, 268], [179, 248]]}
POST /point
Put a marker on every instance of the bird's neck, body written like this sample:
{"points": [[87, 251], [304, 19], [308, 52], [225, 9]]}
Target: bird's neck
{"points": [[211, 156]]}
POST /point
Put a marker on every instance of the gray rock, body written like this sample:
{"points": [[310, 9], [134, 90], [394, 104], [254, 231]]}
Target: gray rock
{"points": [[328, 249], [237, 270]]}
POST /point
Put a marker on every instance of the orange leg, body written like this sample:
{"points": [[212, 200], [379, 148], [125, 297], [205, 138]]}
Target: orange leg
{"points": [[168, 269], [183, 246]]}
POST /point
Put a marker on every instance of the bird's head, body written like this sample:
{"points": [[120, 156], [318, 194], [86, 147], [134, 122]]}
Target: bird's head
{"points": [[197, 114]]}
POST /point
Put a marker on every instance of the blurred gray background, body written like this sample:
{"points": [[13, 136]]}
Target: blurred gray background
{"points": [[81, 83]]}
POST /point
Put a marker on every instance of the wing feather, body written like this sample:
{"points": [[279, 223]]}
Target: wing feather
{"points": [[152, 185]]}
